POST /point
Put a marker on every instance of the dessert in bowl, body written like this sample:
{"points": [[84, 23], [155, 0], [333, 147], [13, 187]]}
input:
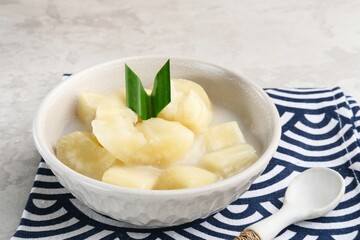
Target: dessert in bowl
{"points": [[232, 97]]}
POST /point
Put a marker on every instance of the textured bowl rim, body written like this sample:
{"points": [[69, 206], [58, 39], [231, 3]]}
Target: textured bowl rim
{"points": [[260, 163]]}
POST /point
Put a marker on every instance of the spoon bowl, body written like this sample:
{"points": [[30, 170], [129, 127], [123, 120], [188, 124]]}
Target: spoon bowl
{"points": [[312, 194], [316, 191]]}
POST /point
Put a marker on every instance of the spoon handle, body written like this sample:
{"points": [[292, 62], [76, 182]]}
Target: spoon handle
{"points": [[269, 227]]}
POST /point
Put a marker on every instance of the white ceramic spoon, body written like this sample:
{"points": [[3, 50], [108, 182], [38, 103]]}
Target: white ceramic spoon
{"points": [[312, 194]]}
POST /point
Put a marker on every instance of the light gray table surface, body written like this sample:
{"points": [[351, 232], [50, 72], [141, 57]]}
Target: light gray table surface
{"points": [[310, 43]]}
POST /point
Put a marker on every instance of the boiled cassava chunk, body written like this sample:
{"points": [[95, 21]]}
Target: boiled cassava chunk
{"points": [[189, 105], [178, 177], [82, 152], [88, 102], [113, 100], [223, 135], [140, 177], [155, 141], [229, 160]]}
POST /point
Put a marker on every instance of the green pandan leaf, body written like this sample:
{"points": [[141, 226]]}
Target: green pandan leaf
{"points": [[161, 93], [139, 101], [136, 97]]}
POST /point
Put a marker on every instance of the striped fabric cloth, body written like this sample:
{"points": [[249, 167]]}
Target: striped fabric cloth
{"points": [[321, 128]]}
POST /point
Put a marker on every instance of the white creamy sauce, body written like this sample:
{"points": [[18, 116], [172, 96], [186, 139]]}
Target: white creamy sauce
{"points": [[223, 115], [74, 125]]}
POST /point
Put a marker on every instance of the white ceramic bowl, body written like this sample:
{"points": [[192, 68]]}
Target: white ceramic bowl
{"points": [[148, 208]]}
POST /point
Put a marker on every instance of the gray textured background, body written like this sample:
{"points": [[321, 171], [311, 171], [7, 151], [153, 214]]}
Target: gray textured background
{"points": [[310, 43]]}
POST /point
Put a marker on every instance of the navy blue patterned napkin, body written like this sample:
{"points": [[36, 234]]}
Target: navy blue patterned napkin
{"points": [[321, 128]]}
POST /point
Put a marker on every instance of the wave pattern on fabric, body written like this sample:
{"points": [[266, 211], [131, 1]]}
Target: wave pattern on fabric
{"points": [[320, 128]]}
